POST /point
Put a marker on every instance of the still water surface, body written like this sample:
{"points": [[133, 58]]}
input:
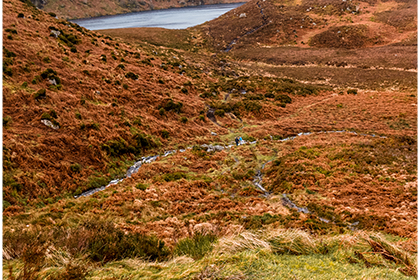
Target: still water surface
{"points": [[176, 18]]}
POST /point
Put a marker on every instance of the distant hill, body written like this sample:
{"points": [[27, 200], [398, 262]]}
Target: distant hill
{"points": [[316, 23], [94, 8]]}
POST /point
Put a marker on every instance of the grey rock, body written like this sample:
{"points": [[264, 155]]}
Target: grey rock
{"points": [[49, 124]]}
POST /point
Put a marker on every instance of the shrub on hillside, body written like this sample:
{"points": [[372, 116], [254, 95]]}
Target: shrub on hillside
{"points": [[168, 177], [283, 98], [50, 74], [352, 91], [40, 94], [269, 95], [165, 134], [220, 113], [252, 106], [170, 105], [131, 75]]}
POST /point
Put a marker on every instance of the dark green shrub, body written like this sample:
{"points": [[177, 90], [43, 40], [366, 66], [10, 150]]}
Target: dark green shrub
{"points": [[352, 91], [93, 125], [69, 39], [7, 120], [137, 121], [20, 15], [172, 106], [35, 80], [144, 141], [202, 118], [78, 116], [220, 113], [254, 97], [195, 247], [162, 111], [283, 98], [141, 186], [46, 59], [165, 134], [50, 74], [184, 120], [252, 106], [7, 53], [52, 14], [86, 72], [73, 49], [103, 58], [125, 86], [147, 62], [168, 177], [10, 30], [161, 81], [53, 114], [47, 116], [131, 75], [75, 167], [120, 66], [184, 90], [7, 71], [25, 84], [10, 37], [40, 94], [269, 95]]}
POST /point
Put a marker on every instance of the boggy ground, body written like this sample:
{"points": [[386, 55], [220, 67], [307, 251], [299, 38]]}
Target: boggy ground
{"points": [[196, 213]]}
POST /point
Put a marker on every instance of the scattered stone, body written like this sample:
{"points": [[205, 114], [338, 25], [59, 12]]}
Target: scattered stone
{"points": [[55, 33], [213, 133], [49, 124], [53, 82], [243, 15]]}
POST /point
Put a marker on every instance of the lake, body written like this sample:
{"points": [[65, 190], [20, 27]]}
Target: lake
{"points": [[176, 18]]}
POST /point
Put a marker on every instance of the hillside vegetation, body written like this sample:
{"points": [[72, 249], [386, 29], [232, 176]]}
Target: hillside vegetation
{"points": [[324, 184]]}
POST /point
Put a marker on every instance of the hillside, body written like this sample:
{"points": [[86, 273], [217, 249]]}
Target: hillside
{"points": [[86, 9], [323, 185]]}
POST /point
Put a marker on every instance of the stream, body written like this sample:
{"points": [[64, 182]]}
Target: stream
{"points": [[216, 148], [210, 148]]}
